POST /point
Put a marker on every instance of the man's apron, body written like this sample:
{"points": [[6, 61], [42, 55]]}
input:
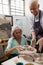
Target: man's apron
{"points": [[37, 27]]}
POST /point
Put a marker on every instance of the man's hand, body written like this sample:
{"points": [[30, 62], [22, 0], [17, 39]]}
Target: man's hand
{"points": [[40, 42], [33, 42]]}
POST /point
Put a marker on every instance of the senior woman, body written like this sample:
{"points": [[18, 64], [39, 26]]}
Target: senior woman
{"points": [[15, 41]]}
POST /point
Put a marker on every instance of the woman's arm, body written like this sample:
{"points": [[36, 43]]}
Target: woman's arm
{"points": [[11, 50]]}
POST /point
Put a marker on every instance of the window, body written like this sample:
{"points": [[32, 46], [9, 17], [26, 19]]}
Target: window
{"points": [[0, 1], [4, 7], [17, 7], [0, 8], [12, 7]]}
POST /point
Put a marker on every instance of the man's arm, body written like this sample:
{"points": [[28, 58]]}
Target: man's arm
{"points": [[33, 41], [33, 35]]}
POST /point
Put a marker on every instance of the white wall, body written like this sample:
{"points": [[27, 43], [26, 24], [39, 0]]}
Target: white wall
{"points": [[41, 4], [27, 11], [25, 24]]}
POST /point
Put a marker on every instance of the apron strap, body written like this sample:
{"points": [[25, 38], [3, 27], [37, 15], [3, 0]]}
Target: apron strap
{"points": [[39, 17]]}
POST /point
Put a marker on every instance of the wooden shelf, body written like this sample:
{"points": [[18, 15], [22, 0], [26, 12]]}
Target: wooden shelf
{"points": [[3, 44]]}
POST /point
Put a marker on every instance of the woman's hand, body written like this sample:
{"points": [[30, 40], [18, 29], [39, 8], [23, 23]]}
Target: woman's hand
{"points": [[12, 49], [17, 47]]}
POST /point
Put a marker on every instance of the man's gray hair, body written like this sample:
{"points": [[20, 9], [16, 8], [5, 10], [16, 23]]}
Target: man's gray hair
{"points": [[31, 1]]}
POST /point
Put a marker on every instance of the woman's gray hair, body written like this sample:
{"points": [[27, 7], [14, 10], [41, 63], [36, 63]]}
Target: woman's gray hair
{"points": [[14, 27]]}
